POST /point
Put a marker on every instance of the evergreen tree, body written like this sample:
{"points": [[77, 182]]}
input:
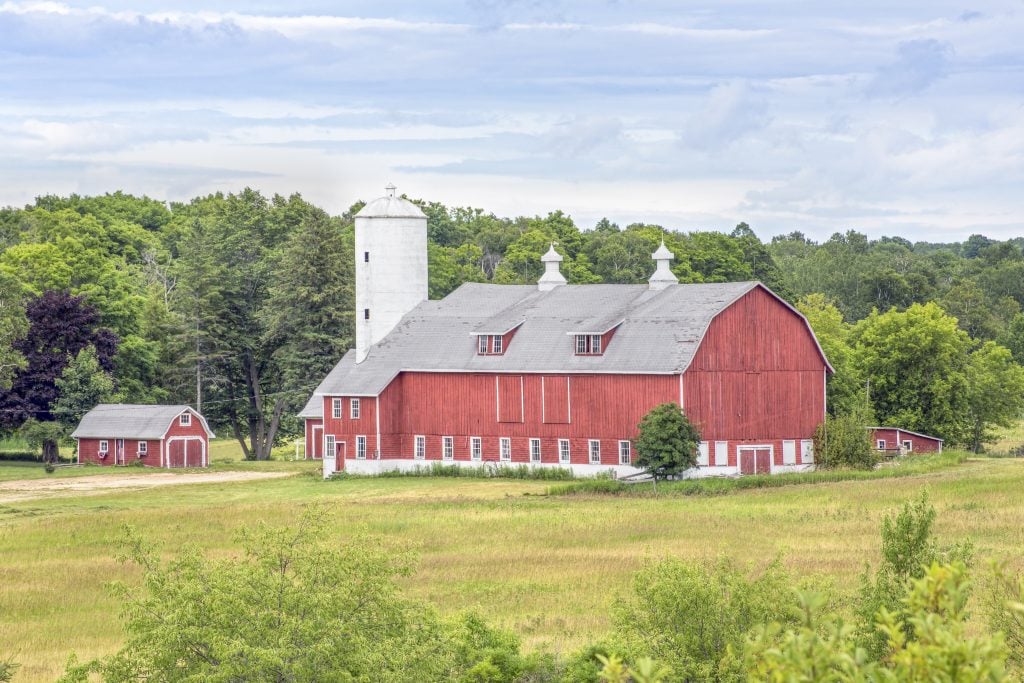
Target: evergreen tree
{"points": [[82, 385], [667, 443]]}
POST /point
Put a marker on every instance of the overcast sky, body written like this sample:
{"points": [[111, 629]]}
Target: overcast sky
{"points": [[799, 115]]}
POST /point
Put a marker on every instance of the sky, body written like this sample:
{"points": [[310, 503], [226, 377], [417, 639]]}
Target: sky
{"points": [[889, 118]]}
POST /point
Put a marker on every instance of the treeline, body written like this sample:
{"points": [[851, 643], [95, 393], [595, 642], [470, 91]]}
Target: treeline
{"points": [[299, 606], [248, 300]]}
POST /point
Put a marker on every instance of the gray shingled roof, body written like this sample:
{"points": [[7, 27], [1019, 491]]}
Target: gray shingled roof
{"points": [[659, 334], [314, 408], [128, 421]]}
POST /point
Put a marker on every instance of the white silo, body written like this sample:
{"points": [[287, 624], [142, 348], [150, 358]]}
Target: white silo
{"points": [[391, 266]]}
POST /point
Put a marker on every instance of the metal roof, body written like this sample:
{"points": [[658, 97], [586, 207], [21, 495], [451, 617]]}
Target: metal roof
{"points": [[906, 431], [131, 421], [390, 207], [659, 333]]}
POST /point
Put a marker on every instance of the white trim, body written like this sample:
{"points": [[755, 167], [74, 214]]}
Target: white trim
{"points": [[807, 451], [337, 409], [476, 449], [522, 399], [755, 447], [100, 448], [372, 467], [376, 418], [540, 454], [590, 451], [333, 450], [497, 399], [567, 451], [543, 414], [139, 450], [880, 444], [721, 454], [355, 408], [681, 403], [908, 444], [361, 437], [448, 448], [204, 456], [568, 398], [703, 454], [505, 449], [313, 438], [898, 430], [418, 441], [182, 422], [628, 453], [789, 452]]}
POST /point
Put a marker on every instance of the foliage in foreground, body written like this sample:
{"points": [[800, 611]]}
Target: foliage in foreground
{"points": [[666, 443], [485, 471], [294, 607]]}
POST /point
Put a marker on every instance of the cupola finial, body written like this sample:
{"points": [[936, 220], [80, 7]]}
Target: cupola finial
{"points": [[390, 189], [663, 275], [552, 276]]}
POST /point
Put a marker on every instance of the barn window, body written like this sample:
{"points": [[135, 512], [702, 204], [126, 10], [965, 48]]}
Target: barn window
{"points": [[185, 419], [143, 448], [789, 452], [475, 448], [702, 454], [366, 257], [104, 446], [490, 344], [624, 453], [908, 446], [329, 446], [448, 447], [361, 447], [496, 343], [421, 447], [336, 408], [482, 342], [807, 451], [354, 408], [595, 452], [505, 445], [366, 314], [534, 450], [721, 453], [563, 450], [880, 444], [588, 345]]}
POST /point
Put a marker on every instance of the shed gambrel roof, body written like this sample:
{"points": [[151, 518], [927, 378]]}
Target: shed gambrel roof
{"points": [[131, 421], [659, 333]]}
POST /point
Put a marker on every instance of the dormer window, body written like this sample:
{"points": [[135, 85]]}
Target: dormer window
{"points": [[490, 344], [588, 345]]}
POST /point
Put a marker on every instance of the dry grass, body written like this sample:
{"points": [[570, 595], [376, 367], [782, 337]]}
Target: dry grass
{"points": [[546, 567]]}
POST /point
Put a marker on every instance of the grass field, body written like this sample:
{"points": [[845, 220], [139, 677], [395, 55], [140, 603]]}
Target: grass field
{"points": [[547, 567]]}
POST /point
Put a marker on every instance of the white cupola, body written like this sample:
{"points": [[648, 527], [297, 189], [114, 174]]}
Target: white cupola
{"points": [[552, 276], [663, 275], [391, 266]]}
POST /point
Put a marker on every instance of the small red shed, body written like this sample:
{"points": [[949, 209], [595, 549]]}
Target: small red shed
{"points": [[313, 419], [897, 441], [156, 436]]}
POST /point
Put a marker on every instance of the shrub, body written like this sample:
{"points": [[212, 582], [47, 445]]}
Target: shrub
{"points": [[1003, 605], [690, 615], [667, 443], [843, 441]]}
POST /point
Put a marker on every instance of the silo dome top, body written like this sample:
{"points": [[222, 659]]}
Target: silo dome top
{"points": [[390, 206]]}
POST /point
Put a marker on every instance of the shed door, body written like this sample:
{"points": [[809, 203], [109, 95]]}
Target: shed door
{"points": [[176, 453], [193, 453], [119, 452], [755, 460]]}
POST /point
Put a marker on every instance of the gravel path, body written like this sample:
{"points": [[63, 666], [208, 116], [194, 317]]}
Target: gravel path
{"points": [[28, 489]]}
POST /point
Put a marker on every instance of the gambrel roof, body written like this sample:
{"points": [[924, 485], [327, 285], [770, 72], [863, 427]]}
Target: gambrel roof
{"points": [[658, 332], [131, 421]]}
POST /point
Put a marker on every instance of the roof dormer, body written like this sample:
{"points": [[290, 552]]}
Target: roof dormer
{"points": [[593, 343], [494, 343]]}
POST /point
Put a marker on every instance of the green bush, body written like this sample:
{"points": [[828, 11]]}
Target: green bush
{"points": [[843, 441], [484, 471]]}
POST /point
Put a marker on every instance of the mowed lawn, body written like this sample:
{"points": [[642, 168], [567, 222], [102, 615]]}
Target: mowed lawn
{"points": [[545, 567]]}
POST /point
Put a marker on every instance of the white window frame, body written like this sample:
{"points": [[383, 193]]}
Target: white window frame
{"points": [[564, 451], [482, 344], [535, 452], [336, 408], [104, 446], [581, 344], [330, 446], [354, 408], [880, 444], [908, 445], [807, 451], [595, 344], [476, 448], [789, 452], [497, 344], [721, 453], [505, 448], [594, 448], [703, 454], [360, 448], [625, 453], [185, 419], [448, 447], [420, 447], [142, 448]]}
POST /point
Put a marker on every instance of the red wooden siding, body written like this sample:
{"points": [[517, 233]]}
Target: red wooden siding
{"points": [[757, 375], [555, 406], [314, 438], [88, 452], [919, 443], [346, 429], [510, 398]]}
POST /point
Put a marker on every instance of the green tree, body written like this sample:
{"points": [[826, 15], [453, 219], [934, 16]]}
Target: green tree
{"points": [[1013, 338], [845, 392], [843, 441], [915, 362], [81, 386], [667, 441], [13, 326], [995, 393]]}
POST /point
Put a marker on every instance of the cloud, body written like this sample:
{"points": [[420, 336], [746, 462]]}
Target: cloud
{"points": [[919, 64]]}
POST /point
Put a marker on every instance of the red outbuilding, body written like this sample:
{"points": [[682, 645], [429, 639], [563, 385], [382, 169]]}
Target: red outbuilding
{"points": [[156, 436], [312, 417], [896, 441]]}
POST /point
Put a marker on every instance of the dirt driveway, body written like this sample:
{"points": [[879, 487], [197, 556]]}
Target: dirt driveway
{"points": [[28, 489]]}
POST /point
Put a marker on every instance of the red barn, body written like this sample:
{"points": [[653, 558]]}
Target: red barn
{"points": [[558, 375], [903, 441], [156, 436]]}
